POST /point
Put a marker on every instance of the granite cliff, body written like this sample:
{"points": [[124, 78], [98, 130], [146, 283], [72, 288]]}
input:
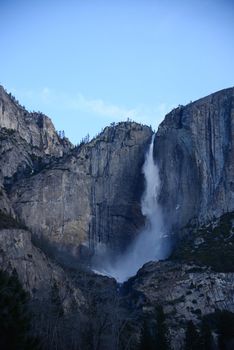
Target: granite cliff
{"points": [[35, 128], [60, 200], [194, 284], [94, 191], [91, 196], [96, 188], [28, 142], [194, 150]]}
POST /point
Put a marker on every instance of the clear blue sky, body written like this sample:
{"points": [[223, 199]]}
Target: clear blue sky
{"points": [[87, 63]]}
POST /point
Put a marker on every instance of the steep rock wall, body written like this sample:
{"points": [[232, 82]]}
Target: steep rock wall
{"points": [[194, 150], [35, 128], [92, 195], [28, 142], [186, 292], [36, 272]]}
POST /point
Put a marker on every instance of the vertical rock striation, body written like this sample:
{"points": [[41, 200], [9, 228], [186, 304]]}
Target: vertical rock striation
{"points": [[92, 195], [194, 150]]}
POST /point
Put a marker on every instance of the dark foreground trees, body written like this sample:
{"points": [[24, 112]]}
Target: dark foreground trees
{"points": [[105, 322], [198, 339], [225, 329], [192, 338], [216, 331], [154, 335], [14, 315]]}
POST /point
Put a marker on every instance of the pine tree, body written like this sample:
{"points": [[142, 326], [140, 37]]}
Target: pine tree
{"points": [[206, 336], [57, 307], [225, 328], [146, 338], [161, 342], [14, 315], [192, 339]]}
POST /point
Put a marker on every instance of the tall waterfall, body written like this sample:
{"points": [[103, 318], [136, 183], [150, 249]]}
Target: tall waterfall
{"points": [[148, 244]]}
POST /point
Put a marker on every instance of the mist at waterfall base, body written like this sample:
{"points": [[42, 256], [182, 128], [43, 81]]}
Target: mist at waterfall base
{"points": [[150, 242]]}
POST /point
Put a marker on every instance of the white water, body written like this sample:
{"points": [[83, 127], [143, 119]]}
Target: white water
{"points": [[148, 245]]}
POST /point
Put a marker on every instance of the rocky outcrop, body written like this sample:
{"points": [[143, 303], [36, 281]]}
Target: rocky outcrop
{"points": [[36, 272], [194, 284], [35, 128], [91, 196], [27, 140], [195, 152], [5, 204], [185, 291]]}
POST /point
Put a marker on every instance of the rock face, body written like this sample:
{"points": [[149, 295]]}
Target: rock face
{"points": [[195, 152], [185, 291], [81, 199], [28, 141], [91, 196], [96, 188], [35, 128], [36, 272], [195, 281]]}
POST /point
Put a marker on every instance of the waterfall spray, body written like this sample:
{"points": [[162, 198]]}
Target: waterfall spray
{"points": [[148, 244]]}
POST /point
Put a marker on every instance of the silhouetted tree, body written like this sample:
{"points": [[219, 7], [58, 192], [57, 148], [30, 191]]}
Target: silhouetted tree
{"points": [[86, 138], [162, 342], [225, 329], [14, 315], [206, 336], [192, 338], [146, 338], [155, 337]]}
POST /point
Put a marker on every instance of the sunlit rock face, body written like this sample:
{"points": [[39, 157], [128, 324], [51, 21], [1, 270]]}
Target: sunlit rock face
{"points": [[194, 151], [28, 140], [90, 197], [35, 128]]}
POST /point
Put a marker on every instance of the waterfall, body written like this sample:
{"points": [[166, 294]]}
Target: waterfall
{"points": [[149, 203], [148, 245]]}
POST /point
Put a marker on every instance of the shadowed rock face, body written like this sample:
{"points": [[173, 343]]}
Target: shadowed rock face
{"points": [[186, 292], [36, 272], [91, 196], [194, 150], [84, 196]]}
